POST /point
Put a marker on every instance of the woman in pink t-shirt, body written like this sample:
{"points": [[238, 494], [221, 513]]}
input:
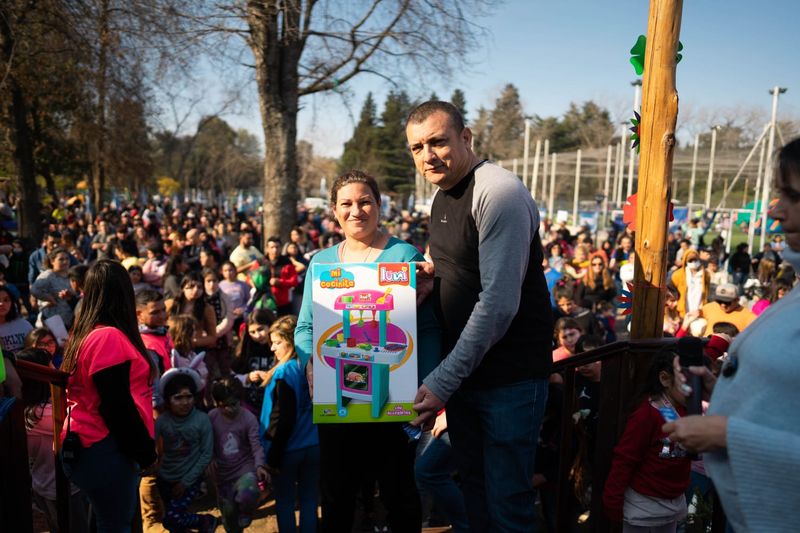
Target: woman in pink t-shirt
{"points": [[109, 394]]}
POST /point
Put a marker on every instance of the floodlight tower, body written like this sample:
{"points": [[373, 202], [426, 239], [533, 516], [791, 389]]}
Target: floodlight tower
{"points": [[775, 92]]}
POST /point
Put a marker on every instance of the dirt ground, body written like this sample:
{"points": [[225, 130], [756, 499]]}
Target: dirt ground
{"points": [[264, 518]]}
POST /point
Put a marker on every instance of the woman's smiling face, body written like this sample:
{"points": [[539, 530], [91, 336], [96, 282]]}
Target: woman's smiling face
{"points": [[357, 211]]}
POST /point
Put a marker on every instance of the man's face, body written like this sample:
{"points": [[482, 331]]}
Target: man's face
{"points": [[441, 153], [246, 240], [152, 315], [51, 244], [273, 250]]}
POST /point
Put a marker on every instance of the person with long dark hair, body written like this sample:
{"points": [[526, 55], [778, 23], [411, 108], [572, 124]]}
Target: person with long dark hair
{"points": [[192, 301], [13, 328], [109, 392]]}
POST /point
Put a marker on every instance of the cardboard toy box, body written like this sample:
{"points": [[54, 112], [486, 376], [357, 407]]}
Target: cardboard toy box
{"points": [[365, 342]]}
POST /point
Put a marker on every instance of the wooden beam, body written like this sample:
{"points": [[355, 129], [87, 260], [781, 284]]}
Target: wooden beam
{"points": [[657, 134]]}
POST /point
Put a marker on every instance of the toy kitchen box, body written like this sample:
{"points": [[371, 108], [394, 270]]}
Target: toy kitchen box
{"points": [[365, 332]]}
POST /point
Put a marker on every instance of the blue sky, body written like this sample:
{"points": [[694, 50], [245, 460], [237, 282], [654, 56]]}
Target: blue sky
{"points": [[563, 51]]}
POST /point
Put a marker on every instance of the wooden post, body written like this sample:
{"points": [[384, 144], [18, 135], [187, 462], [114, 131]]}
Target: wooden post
{"points": [[659, 115], [622, 376]]}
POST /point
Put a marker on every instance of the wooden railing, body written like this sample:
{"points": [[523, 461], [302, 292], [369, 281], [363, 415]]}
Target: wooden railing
{"points": [[617, 390], [20, 474]]}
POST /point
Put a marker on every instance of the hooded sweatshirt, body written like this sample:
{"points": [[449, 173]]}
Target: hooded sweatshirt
{"points": [[680, 278]]}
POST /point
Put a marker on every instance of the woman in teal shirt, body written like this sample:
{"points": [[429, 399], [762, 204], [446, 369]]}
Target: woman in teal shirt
{"points": [[384, 451]]}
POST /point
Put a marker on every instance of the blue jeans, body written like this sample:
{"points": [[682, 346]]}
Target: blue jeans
{"points": [[111, 482], [494, 434], [433, 470], [299, 467]]}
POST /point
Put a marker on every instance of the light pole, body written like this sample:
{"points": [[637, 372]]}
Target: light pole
{"points": [[526, 152], [775, 92], [714, 130], [637, 92], [694, 172], [598, 200]]}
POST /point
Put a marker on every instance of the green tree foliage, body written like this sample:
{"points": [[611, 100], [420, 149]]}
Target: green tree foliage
{"points": [[359, 151], [481, 132], [508, 124], [395, 168], [588, 126], [216, 157], [498, 133], [379, 147], [460, 101]]}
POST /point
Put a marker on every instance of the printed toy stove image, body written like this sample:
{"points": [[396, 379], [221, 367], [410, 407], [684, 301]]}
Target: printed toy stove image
{"points": [[362, 351]]}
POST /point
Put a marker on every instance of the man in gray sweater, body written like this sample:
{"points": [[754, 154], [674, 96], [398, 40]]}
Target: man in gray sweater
{"points": [[492, 302]]}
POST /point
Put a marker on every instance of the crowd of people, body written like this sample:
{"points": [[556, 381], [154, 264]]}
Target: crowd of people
{"points": [[189, 351]]}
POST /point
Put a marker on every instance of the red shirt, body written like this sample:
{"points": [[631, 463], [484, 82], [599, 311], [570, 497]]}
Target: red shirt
{"points": [[103, 348], [638, 463], [161, 345], [287, 280]]}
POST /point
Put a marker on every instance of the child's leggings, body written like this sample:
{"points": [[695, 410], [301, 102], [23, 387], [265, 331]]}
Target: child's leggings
{"points": [[238, 501], [176, 516]]}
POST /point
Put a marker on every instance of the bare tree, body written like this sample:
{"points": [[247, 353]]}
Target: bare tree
{"points": [[302, 47]]}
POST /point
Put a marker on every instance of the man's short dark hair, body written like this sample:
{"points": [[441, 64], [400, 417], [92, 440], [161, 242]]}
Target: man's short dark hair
{"points": [[77, 273], [146, 296], [274, 238], [726, 328], [424, 110]]}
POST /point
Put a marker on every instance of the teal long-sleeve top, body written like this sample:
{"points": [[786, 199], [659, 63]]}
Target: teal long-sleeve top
{"points": [[428, 330]]}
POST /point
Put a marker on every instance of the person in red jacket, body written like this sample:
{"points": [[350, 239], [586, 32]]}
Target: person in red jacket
{"points": [[649, 473], [283, 276]]}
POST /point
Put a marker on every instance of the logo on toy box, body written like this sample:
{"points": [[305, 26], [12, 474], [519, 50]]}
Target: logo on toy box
{"points": [[337, 278], [398, 410], [393, 274]]}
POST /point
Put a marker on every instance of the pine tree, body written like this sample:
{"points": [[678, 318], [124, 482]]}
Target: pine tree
{"points": [[508, 124], [395, 166], [359, 151], [459, 100], [481, 133]]}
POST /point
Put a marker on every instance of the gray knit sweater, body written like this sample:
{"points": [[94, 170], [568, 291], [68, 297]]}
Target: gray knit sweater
{"points": [[758, 476]]}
